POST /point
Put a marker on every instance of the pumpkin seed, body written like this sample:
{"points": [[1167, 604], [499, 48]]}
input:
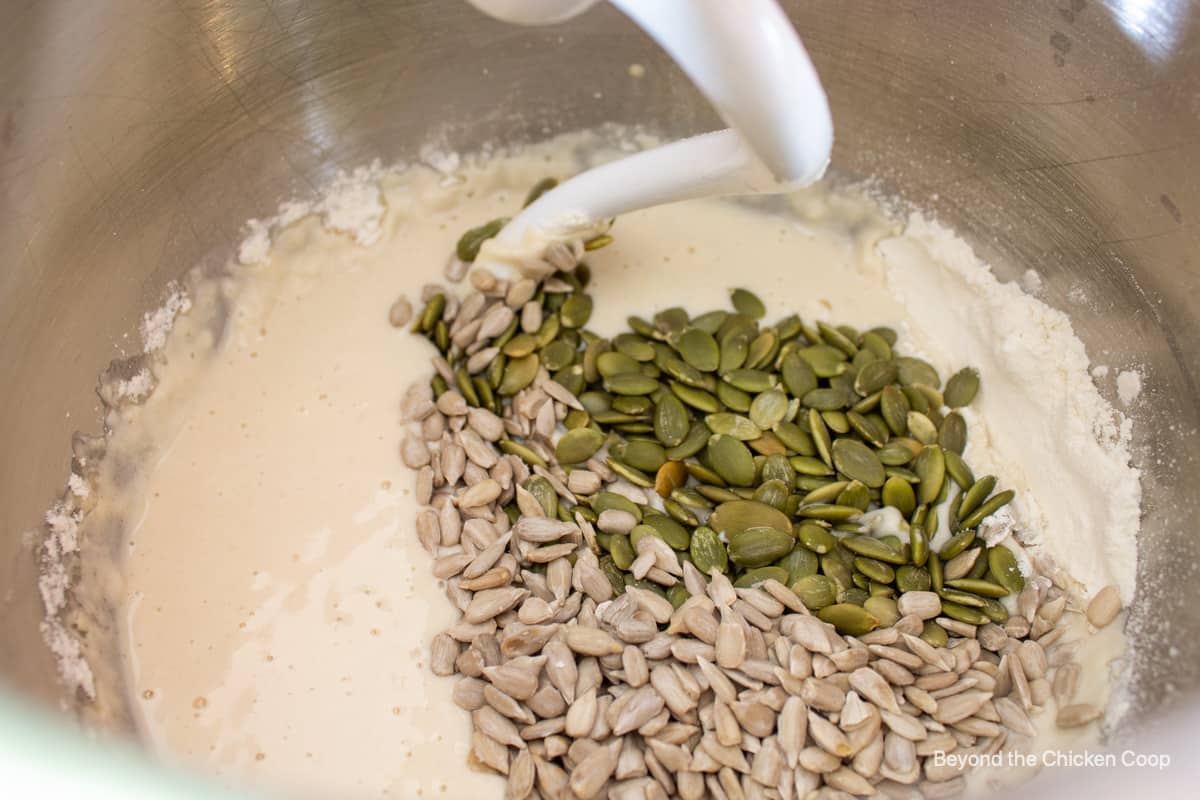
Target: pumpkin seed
{"points": [[539, 189], [735, 517], [828, 512], [979, 587], [759, 546], [631, 474], [921, 428], [613, 363], [918, 544], [734, 425], [799, 563], [912, 579], [693, 443], [699, 349], [621, 551], [873, 548], [576, 310], [683, 372], [899, 494], [778, 468], [975, 494], [747, 303], [469, 243], [962, 387], [825, 361], [857, 461], [707, 551], [952, 436], [894, 406], [634, 346], [931, 471], [815, 537], [731, 460], [961, 613], [883, 608], [754, 577], [915, 370], [875, 376], [772, 493], [957, 544], [631, 384], [855, 495], [710, 322], [866, 427], [557, 355], [1002, 565], [762, 350], [696, 398], [798, 377], [957, 469], [643, 454], [735, 348], [849, 619], [578, 445], [875, 570], [769, 408], [934, 635], [820, 436], [750, 380], [518, 374], [670, 477], [989, 507], [815, 591], [605, 501], [668, 530], [522, 452]]}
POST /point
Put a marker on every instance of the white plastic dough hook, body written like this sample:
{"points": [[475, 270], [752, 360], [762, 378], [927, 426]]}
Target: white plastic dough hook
{"points": [[747, 59]]}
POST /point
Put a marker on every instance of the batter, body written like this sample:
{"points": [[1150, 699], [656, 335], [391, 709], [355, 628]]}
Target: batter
{"points": [[275, 606]]}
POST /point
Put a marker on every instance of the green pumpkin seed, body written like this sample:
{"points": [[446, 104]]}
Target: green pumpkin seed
{"points": [[962, 387], [578, 445], [772, 493], [693, 443], [794, 438], [1002, 565], [899, 494], [544, 493], [952, 436], [921, 428], [797, 375], [875, 570], [828, 512], [829, 493], [874, 377], [916, 400], [820, 436], [469, 243], [631, 384], [557, 355], [957, 544], [699, 349], [750, 380], [522, 452], [912, 579], [989, 507], [934, 635], [857, 461], [778, 468], [520, 345], [871, 547], [975, 494], [632, 405], [629, 473], [683, 372], [614, 574], [769, 408], [915, 370], [710, 322], [828, 399], [855, 595], [644, 455], [897, 453], [932, 397], [708, 553], [995, 610], [815, 537], [825, 361], [539, 189], [735, 349], [671, 421], [669, 530], [613, 363], [696, 398], [799, 563], [634, 346], [958, 470], [895, 409], [621, 550], [837, 570], [978, 586], [918, 544], [754, 577], [836, 338], [957, 611], [873, 434], [747, 303], [576, 310], [931, 470], [855, 495], [519, 373], [734, 425], [757, 547], [884, 609], [849, 619], [735, 517], [815, 591], [731, 460]]}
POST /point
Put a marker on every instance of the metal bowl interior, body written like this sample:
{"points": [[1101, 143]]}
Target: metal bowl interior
{"points": [[137, 137]]}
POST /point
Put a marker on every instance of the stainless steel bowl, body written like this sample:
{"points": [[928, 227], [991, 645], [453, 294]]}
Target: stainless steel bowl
{"points": [[136, 137]]}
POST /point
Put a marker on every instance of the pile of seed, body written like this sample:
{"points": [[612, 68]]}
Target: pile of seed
{"points": [[697, 559]]}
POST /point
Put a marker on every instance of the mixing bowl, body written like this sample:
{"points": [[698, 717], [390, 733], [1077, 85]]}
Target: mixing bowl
{"points": [[136, 137]]}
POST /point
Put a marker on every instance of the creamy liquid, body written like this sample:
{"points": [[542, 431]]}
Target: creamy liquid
{"points": [[277, 608]]}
